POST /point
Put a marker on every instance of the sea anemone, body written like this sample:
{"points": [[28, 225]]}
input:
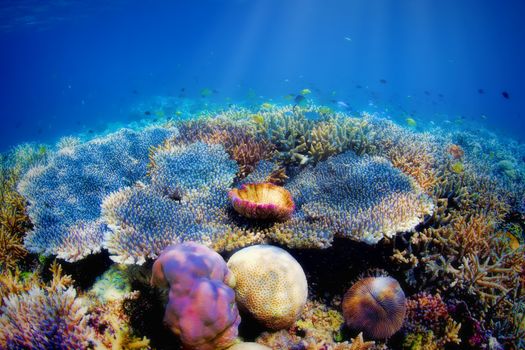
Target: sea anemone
{"points": [[375, 306], [263, 201]]}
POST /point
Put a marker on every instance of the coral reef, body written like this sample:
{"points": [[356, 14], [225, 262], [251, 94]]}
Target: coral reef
{"points": [[240, 141], [375, 306], [270, 285], [43, 317], [65, 194], [428, 323], [195, 275], [14, 221], [319, 328], [299, 138], [363, 198], [186, 200], [262, 201]]}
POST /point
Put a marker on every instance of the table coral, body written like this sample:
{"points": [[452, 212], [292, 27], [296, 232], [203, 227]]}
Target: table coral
{"points": [[195, 275], [65, 194], [363, 198], [186, 200]]}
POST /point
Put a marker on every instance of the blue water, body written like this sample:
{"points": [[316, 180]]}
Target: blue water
{"points": [[74, 66]]}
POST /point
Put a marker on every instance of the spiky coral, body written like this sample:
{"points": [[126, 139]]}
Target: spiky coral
{"points": [[301, 138], [14, 221], [43, 317]]}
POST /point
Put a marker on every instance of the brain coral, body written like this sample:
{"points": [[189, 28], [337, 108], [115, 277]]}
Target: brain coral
{"points": [[270, 284], [65, 194], [201, 307], [186, 198], [361, 197]]}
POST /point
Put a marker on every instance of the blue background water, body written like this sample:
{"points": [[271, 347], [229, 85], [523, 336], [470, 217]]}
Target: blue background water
{"points": [[69, 66]]}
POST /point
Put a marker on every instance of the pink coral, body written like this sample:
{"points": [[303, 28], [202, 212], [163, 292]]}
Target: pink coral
{"points": [[201, 307]]}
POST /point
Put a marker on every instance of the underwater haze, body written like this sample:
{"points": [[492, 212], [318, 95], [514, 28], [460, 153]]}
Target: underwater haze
{"points": [[74, 66], [262, 175]]}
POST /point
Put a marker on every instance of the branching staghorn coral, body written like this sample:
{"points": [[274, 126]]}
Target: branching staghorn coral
{"points": [[305, 134], [65, 194], [14, 221]]}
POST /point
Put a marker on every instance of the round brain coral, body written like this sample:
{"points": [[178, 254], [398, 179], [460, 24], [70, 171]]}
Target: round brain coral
{"points": [[375, 306], [201, 307], [270, 285], [264, 201]]}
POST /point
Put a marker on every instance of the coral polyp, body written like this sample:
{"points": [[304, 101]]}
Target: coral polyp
{"points": [[375, 306], [263, 201]]}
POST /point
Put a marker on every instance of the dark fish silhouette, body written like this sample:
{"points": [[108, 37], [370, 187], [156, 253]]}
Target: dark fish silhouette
{"points": [[147, 113], [505, 94], [427, 92], [358, 86], [298, 99], [135, 92], [382, 81], [441, 95], [481, 91]]}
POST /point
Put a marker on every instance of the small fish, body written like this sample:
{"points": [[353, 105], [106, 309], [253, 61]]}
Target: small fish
{"points": [[440, 95], [343, 104], [347, 38], [382, 81], [258, 119], [305, 92], [289, 97], [481, 91], [147, 113], [266, 105], [298, 99], [411, 122], [358, 86], [483, 116], [427, 92], [505, 94], [135, 92], [205, 92]]}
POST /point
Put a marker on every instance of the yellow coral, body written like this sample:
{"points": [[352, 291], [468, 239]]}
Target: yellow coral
{"points": [[270, 284]]}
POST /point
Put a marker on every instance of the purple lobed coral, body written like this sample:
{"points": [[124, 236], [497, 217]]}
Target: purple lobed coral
{"points": [[195, 276]]}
